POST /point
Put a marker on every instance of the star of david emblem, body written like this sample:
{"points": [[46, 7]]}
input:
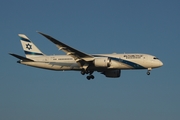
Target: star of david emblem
{"points": [[28, 46]]}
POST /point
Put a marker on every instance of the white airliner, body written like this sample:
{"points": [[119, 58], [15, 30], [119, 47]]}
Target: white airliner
{"points": [[108, 64]]}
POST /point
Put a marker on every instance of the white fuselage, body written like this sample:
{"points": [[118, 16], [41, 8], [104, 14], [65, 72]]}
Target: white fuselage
{"points": [[118, 61]]}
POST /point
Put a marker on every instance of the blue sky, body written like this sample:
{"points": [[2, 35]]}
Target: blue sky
{"points": [[101, 26]]}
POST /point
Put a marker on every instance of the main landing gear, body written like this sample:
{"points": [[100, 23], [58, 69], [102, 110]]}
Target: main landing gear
{"points": [[90, 76]]}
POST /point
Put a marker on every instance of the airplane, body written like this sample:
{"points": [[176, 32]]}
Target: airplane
{"points": [[109, 65]]}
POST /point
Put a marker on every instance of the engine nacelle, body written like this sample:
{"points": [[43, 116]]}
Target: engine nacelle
{"points": [[112, 73], [102, 62]]}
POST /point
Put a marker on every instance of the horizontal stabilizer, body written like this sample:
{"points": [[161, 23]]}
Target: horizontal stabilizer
{"points": [[21, 57]]}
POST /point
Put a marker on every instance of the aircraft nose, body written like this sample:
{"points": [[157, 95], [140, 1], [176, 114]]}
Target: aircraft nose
{"points": [[160, 63]]}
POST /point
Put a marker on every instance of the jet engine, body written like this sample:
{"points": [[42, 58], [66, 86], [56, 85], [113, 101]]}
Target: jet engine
{"points": [[102, 62], [112, 73]]}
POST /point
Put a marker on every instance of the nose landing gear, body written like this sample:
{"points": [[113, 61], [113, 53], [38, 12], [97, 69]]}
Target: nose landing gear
{"points": [[148, 72]]}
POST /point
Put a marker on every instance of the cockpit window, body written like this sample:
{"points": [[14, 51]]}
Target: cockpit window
{"points": [[155, 58]]}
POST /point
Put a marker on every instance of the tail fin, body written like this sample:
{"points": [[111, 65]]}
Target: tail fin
{"points": [[29, 48]]}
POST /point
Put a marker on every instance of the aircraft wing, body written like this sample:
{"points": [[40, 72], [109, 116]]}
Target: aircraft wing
{"points": [[76, 54]]}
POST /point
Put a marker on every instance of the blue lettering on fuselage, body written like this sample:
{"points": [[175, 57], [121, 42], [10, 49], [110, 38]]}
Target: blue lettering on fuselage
{"points": [[133, 56]]}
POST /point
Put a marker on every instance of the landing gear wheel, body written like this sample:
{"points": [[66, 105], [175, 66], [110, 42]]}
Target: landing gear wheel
{"points": [[90, 77], [148, 72], [83, 72]]}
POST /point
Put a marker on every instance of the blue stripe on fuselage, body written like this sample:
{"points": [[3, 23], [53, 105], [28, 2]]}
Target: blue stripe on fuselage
{"points": [[132, 64]]}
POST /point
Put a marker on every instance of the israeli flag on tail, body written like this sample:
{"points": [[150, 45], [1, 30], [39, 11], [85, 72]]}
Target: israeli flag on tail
{"points": [[29, 48]]}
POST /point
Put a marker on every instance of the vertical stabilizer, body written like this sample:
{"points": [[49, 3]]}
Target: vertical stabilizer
{"points": [[29, 48]]}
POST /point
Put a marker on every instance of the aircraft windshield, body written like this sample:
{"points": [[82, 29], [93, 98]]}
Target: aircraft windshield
{"points": [[155, 58]]}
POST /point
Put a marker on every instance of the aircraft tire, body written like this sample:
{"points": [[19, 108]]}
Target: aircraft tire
{"points": [[92, 77], [148, 73], [83, 72], [88, 77]]}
